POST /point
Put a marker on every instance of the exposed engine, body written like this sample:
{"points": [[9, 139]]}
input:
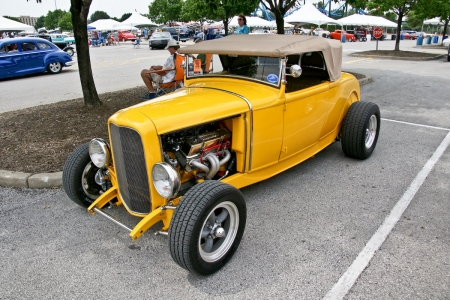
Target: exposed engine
{"points": [[203, 151]]}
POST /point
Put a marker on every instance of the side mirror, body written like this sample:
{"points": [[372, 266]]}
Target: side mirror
{"points": [[295, 70]]}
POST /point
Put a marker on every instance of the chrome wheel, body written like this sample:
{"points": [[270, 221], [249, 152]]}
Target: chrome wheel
{"points": [[371, 131], [54, 67], [88, 181], [218, 231]]}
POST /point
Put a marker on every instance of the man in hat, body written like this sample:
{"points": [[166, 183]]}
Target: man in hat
{"points": [[160, 74]]}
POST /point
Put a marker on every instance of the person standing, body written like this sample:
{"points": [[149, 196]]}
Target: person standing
{"points": [[145, 34], [242, 28], [116, 37]]}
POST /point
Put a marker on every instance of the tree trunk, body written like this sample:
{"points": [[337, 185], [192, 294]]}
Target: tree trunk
{"points": [[445, 29], [225, 25], [280, 23], [399, 29], [80, 10]]}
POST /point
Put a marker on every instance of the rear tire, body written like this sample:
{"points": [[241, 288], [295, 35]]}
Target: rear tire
{"points": [[207, 227], [360, 129]]}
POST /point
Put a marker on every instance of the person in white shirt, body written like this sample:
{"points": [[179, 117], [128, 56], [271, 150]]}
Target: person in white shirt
{"points": [[164, 74]]}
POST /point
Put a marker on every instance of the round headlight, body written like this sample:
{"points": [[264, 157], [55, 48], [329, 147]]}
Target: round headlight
{"points": [[100, 153], [166, 180]]}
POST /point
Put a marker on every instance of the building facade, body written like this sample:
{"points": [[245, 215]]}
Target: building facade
{"points": [[28, 20]]}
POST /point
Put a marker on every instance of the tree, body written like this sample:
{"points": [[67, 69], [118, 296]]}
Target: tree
{"points": [[12, 18], [279, 8], [39, 22], [124, 17], [434, 8], [79, 10], [52, 19], [97, 15], [65, 23], [400, 7], [191, 10], [163, 11]]}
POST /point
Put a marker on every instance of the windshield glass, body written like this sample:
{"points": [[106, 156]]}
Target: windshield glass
{"points": [[161, 34], [264, 69]]}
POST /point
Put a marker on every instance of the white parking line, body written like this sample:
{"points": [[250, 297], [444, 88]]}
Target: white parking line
{"points": [[415, 124], [348, 279]]}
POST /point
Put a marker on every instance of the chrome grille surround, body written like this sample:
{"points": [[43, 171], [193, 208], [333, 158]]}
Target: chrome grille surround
{"points": [[130, 166]]}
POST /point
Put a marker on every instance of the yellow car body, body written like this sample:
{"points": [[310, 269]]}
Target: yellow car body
{"points": [[270, 128]]}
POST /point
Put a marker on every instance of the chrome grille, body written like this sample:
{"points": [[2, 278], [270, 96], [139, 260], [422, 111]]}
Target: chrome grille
{"points": [[129, 162]]}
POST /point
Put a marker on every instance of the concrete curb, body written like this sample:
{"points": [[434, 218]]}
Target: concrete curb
{"points": [[52, 180], [438, 56]]}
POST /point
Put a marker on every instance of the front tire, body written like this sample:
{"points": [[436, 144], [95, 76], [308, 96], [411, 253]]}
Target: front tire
{"points": [[54, 68], [207, 227], [79, 177], [360, 129]]}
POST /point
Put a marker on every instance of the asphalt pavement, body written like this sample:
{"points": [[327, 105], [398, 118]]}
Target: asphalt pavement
{"points": [[331, 227]]}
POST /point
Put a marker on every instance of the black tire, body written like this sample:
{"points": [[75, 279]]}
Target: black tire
{"points": [[448, 56], [78, 177], [192, 219], [360, 129], [54, 68]]}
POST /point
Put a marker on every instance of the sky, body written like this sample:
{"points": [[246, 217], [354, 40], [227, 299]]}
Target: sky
{"points": [[114, 8]]}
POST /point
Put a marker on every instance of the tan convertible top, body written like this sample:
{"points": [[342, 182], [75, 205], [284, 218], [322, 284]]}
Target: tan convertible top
{"points": [[273, 45]]}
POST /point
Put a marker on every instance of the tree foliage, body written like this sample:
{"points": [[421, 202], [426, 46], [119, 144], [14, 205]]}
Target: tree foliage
{"points": [[40, 22], [52, 18], [163, 11], [98, 15], [65, 23], [400, 7], [12, 18], [434, 8], [124, 17]]}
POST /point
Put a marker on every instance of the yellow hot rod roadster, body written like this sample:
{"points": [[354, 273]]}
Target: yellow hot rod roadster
{"points": [[266, 104]]}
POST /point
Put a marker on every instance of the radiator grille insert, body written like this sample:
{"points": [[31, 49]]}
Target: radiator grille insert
{"points": [[129, 162]]}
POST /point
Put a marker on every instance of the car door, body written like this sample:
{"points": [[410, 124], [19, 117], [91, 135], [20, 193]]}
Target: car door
{"points": [[307, 105], [31, 57]]}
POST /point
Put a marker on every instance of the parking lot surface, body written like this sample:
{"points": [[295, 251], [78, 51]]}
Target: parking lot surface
{"points": [[307, 228]]}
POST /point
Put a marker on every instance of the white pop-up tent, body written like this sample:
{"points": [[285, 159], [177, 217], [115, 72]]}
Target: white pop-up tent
{"points": [[434, 21], [252, 22], [10, 25], [136, 19], [104, 24], [309, 14], [365, 20]]}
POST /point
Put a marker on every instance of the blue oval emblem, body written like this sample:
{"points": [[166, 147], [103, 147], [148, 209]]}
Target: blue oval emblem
{"points": [[272, 78]]}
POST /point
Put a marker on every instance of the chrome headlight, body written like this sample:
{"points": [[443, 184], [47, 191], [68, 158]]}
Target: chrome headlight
{"points": [[99, 153], [166, 180]]}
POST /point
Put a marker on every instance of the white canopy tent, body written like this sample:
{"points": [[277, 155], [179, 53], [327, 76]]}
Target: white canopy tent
{"points": [[10, 25], [135, 20], [309, 14], [434, 21], [365, 20], [104, 24], [252, 22]]}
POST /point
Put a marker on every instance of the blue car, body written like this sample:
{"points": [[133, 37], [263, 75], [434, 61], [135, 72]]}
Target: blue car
{"points": [[29, 55]]}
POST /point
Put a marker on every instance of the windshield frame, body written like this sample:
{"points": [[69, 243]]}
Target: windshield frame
{"points": [[224, 74]]}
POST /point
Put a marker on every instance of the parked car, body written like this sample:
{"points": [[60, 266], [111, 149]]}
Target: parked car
{"points": [[125, 35], [68, 39], [446, 42], [448, 53], [177, 33], [409, 34], [321, 32], [181, 158], [159, 40], [29, 55], [336, 35]]}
